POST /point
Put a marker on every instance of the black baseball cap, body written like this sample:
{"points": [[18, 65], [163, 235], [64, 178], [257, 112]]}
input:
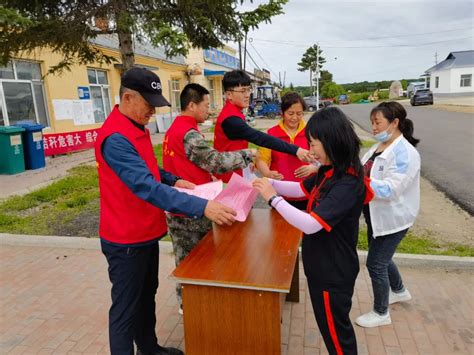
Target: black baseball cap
{"points": [[147, 83]]}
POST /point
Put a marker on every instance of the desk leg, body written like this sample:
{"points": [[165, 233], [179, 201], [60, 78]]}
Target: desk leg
{"points": [[219, 320], [294, 295]]}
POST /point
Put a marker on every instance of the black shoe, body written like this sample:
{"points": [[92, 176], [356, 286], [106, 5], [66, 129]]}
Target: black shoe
{"points": [[162, 351]]}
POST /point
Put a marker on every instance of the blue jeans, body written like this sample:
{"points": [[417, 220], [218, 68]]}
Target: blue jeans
{"points": [[382, 270]]}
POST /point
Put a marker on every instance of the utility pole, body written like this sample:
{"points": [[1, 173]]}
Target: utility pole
{"points": [[436, 57], [240, 54], [317, 76], [245, 50]]}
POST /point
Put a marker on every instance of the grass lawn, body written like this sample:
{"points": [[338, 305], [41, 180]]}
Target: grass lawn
{"points": [[70, 206]]}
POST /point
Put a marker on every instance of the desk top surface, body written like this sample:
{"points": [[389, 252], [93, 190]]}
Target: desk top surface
{"points": [[259, 254]]}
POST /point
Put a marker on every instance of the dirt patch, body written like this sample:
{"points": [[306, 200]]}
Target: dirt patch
{"points": [[454, 108], [441, 219], [83, 224]]}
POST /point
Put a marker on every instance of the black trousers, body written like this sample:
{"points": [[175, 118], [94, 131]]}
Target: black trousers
{"points": [[331, 309], [133, 272]]}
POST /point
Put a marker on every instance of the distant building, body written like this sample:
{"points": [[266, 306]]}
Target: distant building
{"points": [[453, 75], [207, 68], [72, 106]]}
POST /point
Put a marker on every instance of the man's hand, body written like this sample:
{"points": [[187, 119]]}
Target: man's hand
{"points": [[304, 155], [274, 174], [219, 213], [264, 187], [185, 184], [305, 170]]}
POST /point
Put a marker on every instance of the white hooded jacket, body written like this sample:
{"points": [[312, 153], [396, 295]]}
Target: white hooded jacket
{"points": [[395, 179]]}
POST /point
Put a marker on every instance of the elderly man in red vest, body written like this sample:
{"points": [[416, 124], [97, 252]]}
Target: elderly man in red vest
{"points": [[134, 192], [187, 154], [233, 133]]}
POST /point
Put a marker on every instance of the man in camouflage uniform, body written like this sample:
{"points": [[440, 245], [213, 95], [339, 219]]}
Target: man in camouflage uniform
{"points": [[187, 154]]}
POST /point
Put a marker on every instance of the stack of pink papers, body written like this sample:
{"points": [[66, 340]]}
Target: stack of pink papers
{"points": [[208, 191], [238, 195]]}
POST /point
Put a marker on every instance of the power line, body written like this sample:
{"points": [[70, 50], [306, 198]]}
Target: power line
{"points": [[263, 60], [380, 46], [253, 61], [376, 38]]}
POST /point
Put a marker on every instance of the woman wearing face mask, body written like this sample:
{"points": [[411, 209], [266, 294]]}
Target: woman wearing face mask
{"points": [[291, 129], [393, 165]]}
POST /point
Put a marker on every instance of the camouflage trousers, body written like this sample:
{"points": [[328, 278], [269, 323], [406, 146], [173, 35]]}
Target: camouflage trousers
{"points": [[185, 234]]}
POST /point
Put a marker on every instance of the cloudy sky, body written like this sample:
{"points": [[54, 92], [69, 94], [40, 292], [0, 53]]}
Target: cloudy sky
{"points": [[363, 40]]}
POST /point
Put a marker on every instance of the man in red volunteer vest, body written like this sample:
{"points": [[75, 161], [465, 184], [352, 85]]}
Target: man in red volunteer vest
{"points": [[134, 192], [233, 133], [187, 154]]}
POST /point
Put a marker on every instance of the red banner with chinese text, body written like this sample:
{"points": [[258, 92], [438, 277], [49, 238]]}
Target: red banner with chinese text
{"points": [[62, 143]]}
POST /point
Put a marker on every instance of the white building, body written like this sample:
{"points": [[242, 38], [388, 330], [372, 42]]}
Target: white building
{"points": [[453, 75]]}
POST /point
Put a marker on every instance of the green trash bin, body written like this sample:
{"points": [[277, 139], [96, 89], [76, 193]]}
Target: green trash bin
{"points": [[12, 159]]}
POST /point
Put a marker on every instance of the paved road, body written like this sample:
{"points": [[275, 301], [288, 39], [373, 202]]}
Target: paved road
{"points": [[446, 148]]}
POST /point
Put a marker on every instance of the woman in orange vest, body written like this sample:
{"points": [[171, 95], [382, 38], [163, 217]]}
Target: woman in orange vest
{"points": [[280, 166]]}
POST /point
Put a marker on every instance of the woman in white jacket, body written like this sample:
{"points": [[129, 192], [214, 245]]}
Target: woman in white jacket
{"points": [[393, 166]]}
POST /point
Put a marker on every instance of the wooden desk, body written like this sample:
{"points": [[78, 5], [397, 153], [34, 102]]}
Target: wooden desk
{"points": [[233, 282]]}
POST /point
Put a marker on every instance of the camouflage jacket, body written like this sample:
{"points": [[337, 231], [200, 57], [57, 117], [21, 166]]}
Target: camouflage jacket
{"points": [[206, 157]]}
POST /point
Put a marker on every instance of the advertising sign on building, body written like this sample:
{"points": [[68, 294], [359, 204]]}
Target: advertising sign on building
{"points": [[215, 56]]}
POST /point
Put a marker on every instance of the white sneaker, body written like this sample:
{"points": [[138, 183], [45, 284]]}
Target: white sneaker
{"points": [[398, 297], [373, 319], [180, 310]]}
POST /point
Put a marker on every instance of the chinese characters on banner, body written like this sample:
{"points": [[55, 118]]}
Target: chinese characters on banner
{"points": [[62, 143]]}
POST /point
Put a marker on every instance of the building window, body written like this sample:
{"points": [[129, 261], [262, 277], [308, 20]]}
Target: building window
{"points": [[100, 93], [175, 93], [437, 82], [22, 94], [466, 80], [212, 98]]}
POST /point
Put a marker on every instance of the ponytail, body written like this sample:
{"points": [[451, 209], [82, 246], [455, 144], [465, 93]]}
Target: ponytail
{"points": [[392, 110], [406, 127]]}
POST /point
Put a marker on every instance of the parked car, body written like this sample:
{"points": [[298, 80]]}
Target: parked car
{"points": [[422, 96], [413, 87], [311, 103]]}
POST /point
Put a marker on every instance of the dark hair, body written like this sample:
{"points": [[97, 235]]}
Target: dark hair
{"points": [[123, 90], [192, 93], [340, 142], [235, 78], [392, 110], [290, 99]]}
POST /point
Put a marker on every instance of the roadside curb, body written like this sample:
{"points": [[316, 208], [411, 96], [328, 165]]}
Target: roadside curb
{"points": [[412, 260], [47, 241]]}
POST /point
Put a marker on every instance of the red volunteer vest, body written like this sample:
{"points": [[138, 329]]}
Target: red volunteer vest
{"points": [[125, 218], [175, 160], [285, 163], [224, 144]]}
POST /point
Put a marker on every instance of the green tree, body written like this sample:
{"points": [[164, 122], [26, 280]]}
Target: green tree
{"points": [[331, 90], [68, 27], [312, 56], [308, 61], [326, 77]]}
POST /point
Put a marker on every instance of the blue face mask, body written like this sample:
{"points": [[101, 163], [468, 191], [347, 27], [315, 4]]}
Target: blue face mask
{"points": [[384, 136]]}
